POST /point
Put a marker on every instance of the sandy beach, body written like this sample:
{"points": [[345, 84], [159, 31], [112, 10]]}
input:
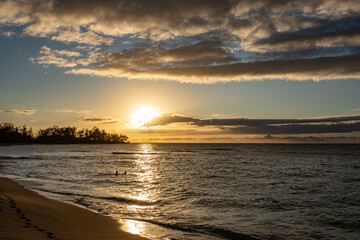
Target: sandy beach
{"points": [[27, 215]]}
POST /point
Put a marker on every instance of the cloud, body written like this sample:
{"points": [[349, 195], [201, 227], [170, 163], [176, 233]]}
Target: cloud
{"points": [[330, 33], [110, 122], [151, 57], [100, 120], [312, 139], [7, 34], [90, 38], [340, 124], [178, 139], [67, 53], [65, 110], [201, 53], [20, 111], [296, 69], [53, 57], [94, 119], [168, 119], [195, 41], [83, 111]]}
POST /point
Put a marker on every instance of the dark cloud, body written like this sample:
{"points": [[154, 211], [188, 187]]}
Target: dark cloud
{"points": [[178, 139], [341, 124], [199, 54], [307, 53], [296, 128], [168, 119], [197, 41], [88, 119], [110, 122], [313, 139], [202, 53], [332, 32], [222, 139], [316, 68], [171, 132], [320, 68], [338, 27], [98, 120], [259, 122]]}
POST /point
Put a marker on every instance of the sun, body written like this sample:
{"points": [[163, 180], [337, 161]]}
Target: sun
{"points": [[142, 115]]}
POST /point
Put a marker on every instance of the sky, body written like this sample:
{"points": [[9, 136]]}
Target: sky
{"points": [[201, 71]]}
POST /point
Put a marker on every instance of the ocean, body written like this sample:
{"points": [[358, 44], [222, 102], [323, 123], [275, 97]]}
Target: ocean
{"points": [[202, 191]]}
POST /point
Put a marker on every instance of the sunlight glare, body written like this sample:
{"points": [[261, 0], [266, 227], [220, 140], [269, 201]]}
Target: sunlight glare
{"points": [[132, 226], [142, 115]]}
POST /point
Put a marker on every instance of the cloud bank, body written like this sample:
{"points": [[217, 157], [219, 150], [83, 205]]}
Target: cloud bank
{"points": [[325, 125], [195, 41]]}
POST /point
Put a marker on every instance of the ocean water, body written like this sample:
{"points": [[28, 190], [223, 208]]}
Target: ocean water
{"points": [[202, 191]]}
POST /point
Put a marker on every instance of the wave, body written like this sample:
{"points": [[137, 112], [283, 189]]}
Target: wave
{"points": [[124, 200], [80, 151], [130, 201], [34, 157], [184, 151], [6, 157], [203, 150], [229, 234], [204, 229], [222, 149], [20, 157], [134, 153], [65, 193], [175, 151], [321, 153], [77, 157]]}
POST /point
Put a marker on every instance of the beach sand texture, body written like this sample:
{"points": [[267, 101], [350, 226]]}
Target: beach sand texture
{"points": [[27, 215]]}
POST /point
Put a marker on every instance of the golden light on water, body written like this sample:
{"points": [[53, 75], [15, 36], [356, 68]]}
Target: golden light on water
{"points": [[146, 174], [132, 226], [142, 115]]}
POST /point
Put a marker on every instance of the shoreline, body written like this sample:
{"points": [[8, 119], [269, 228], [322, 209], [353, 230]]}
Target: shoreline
{"points": [[27, 215]]}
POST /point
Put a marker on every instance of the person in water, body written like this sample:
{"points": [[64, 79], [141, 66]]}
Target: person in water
{"points": [[117, 173]]}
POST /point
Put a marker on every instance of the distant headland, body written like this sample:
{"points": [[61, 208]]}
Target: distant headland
{"points": [[9, 134]]}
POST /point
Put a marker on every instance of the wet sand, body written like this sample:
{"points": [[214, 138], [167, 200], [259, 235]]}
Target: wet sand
{"points": [[27, 215]]}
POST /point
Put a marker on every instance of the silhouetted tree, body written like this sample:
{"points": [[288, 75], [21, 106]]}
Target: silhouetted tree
{"points": [[11, 134], [58, 135]]}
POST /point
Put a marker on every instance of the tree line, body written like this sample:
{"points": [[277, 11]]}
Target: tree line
{"points": [[58, 135]]}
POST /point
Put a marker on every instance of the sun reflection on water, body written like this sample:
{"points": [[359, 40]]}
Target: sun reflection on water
{"points": [[146, 174], [132, 226], [146, 148]]}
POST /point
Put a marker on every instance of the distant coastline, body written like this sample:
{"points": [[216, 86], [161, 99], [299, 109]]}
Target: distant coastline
{"points": [[10, 135]]}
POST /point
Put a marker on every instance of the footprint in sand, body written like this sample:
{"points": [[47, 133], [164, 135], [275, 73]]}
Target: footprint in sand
{"points": [[50, 235], [12, 202], [27, 221], [1, 198]]}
